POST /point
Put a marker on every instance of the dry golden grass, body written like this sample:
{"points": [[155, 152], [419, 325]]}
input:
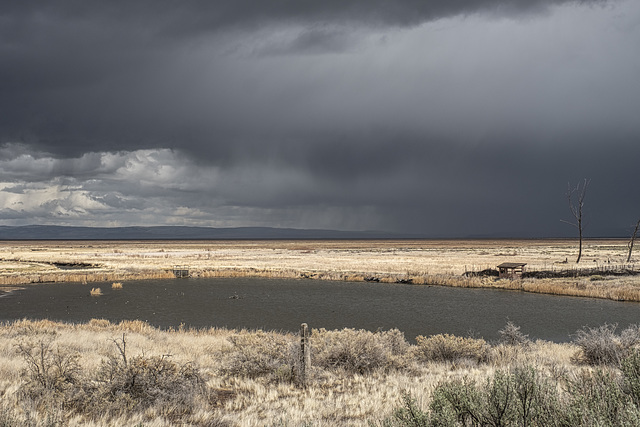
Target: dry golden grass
{"points": [[116, 285], [334, 397], [438, 262], [95, 292]]}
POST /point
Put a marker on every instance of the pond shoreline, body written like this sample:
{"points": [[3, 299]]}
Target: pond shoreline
{"points": [[575, 287], [438, 263], [282, 304]]}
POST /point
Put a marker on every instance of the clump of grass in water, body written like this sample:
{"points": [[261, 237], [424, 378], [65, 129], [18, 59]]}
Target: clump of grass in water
{"points": [[116, 285], [95, 292]]}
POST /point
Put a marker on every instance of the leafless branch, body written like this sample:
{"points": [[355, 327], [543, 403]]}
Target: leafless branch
{"points": [[122, 348], [633, 239], [575, 198]]}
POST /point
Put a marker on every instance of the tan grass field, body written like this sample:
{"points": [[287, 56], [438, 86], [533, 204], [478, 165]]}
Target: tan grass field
{"points": [[438, 262], [246, 382], [334, 397]]}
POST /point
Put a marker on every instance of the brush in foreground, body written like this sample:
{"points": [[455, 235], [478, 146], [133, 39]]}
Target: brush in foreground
{"points": [[103, 374]]}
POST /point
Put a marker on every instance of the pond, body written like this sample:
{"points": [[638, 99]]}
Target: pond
{"points": [[278, 304]]}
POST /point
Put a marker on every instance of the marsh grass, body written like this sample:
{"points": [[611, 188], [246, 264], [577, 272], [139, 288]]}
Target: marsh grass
{"points": [[116, 285], [95, 292], [421, 262]]}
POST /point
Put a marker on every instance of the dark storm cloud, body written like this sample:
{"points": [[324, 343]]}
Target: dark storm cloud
{"points": [[90, 76], [182, 19], [339, 114]]}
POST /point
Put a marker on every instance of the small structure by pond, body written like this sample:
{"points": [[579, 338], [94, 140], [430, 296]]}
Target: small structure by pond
{"points": [[511, 270], [180, 271]]}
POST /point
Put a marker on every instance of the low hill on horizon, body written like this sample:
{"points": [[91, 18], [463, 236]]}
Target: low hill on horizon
{"points": [[52, 232], [56, 232]]}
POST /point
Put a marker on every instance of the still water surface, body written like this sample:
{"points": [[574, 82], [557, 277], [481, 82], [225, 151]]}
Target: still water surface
{"points": [[272, 304]]}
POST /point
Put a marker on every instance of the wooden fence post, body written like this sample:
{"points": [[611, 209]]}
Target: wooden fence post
{"points": [[304, 362]]}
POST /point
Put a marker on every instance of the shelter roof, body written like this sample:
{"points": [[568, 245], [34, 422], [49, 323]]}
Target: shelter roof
{"points": [[512, 264]]}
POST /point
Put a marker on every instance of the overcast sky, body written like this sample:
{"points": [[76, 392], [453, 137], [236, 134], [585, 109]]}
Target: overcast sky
{"points": [[441, 118]]}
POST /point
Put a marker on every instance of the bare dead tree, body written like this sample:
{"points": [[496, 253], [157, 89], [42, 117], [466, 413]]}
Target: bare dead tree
{"points": [[575, 197], [633, 239]]}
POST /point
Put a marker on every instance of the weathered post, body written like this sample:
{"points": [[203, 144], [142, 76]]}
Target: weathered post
{"points": [[304, 361]]}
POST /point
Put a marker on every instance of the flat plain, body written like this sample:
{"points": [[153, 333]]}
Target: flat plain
{"points": [[129, 373], [435, 262]]}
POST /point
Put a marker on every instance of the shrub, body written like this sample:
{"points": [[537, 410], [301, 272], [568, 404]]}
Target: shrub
{"points": [[597, 398], [631, 372], [536, 397], [519, 398], [358, 351], [55, 383], [494, 403], [449, 348], [456, 401], [48, 368], [394, 340], [260, 353], [143, 382], [602, 346], [409, 414], [630, 338], [511, 335]]}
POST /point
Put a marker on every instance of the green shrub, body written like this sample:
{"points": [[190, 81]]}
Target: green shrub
{"points": [[409, 414], [449, 348], [456, 402], [537, 398], [519, 398], [631, 372], [597, 398]]}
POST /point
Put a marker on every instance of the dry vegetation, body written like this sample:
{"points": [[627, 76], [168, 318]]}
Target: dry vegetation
{"points": [[103, 374], [420, 262]]}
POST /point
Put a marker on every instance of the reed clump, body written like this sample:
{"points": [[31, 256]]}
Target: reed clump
{"points": [[116, 285], [95, 292]]}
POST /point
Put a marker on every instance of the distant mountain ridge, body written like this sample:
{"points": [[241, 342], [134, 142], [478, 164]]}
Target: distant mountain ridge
{"points": [[53, 232]]}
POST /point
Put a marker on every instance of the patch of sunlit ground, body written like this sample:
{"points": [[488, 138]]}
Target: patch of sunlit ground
{"points": [[422, 261]]}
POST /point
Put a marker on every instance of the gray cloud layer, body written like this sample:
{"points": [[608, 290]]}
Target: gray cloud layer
{"points": [[443, 117]]}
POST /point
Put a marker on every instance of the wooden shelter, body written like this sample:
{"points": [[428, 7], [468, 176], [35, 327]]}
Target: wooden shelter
{"points": [[180, 271], [511, 270]]}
